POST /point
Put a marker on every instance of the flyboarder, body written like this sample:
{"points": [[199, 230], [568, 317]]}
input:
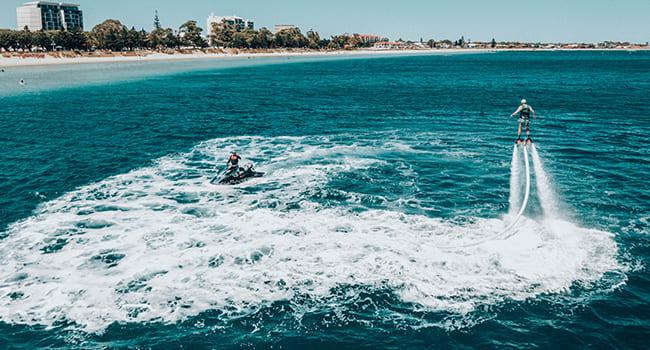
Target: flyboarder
{"points": [[524, 120]]}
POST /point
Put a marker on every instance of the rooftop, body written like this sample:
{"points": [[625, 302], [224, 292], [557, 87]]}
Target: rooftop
{"points": [[34, 3]]}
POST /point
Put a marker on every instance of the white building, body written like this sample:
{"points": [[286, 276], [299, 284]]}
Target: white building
{"points": [[238, 22], [370, 38], [280, 27], [391, 45], [46, 15]]}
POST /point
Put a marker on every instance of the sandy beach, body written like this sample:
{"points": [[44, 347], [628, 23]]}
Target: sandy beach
{"points": [[46, 59]]}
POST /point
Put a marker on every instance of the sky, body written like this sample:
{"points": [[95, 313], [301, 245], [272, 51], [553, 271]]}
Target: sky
{"points": [[476, 20]]}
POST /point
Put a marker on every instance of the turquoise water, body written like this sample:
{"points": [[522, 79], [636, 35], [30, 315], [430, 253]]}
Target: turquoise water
{"points": [[388, 181]]}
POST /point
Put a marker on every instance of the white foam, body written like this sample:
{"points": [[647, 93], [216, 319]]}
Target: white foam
{"points": [[544, 191], [156, 244], [514, 199]]}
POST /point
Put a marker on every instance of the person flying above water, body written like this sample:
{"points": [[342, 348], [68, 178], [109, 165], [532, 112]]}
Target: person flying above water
{"points": [[524, 119]]}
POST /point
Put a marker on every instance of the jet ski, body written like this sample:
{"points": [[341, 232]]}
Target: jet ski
{"points": [[233, 175]]}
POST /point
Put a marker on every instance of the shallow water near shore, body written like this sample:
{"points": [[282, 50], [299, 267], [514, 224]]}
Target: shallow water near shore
{"points": [[384, 178]]}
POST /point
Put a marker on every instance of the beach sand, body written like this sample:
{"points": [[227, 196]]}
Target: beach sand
{"points": [[46, 59], [16, 60]]}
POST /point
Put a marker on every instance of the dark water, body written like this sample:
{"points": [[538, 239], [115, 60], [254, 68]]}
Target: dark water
{"points": [[378, 172]]}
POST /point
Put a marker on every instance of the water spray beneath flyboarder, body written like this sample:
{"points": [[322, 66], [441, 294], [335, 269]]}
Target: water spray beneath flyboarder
{"points": [[546, 196], [515, 182]]}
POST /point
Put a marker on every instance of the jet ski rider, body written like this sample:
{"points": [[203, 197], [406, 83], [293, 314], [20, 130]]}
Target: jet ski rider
{"points": [[233, 161]]}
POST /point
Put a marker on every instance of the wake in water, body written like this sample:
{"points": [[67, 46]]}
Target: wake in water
{"points": [[515, 183], [160, 244]]}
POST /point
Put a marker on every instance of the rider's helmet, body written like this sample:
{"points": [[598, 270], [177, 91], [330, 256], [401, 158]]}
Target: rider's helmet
{"points": [[523, 101]]}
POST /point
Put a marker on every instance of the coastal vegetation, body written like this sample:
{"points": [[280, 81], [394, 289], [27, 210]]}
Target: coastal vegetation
{"points": [[112, 35], [109, 35], [115, 36], [228, 35]]}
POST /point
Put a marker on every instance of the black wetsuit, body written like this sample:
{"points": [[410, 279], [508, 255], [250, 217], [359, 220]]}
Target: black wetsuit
{"points": [[524, 115], [233, 162]]}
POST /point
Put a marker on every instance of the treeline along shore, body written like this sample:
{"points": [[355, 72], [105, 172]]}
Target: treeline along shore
{"points": [[115, 36], [111, 37]]}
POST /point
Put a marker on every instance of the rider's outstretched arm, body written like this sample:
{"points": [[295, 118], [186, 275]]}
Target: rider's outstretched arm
{"points": [[517, 111], [532, 110]]}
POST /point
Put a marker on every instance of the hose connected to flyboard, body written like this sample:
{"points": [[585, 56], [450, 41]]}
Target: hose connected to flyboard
{"points": [[516, 218]]}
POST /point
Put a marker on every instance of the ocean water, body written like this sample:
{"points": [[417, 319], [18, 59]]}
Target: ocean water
{"points": [[380, 221]]}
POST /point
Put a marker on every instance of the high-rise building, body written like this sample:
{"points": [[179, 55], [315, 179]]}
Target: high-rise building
{"points": [[46, 15], [238, 22]]}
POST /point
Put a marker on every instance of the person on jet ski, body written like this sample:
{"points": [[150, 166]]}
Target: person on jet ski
{"points": [[233, 161]]}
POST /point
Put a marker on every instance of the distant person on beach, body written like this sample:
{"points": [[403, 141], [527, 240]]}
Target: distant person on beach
{"points": [[524, 117]]}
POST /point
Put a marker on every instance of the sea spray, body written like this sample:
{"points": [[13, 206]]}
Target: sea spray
{"points": [[161, 244], [546, 195], [515, 183]]}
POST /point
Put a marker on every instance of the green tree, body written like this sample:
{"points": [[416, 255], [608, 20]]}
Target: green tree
{"points": [[250, 36], [461, 42], [122, 41], [106, 35], [239, 40], [314, 39], [78, 40], [25, 39], [340, 40], [431, 43], [290, 38], [9, 40], [62, 39], [133, 39], [264, 38], [170, 40], [156, 21], [355, 40], [156, 37], [143, 39], [44, 39], [222, 33], [191, 34], [493, 43]]}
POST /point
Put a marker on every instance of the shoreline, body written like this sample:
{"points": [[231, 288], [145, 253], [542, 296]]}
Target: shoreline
{"points": [[149, 56]]}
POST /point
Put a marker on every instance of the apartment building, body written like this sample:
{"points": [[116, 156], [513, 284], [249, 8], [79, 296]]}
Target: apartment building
{"points": [[46, 15]]}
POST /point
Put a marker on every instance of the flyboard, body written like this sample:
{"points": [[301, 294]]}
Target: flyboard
{"points": [[520, 142], [516, 218]]}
